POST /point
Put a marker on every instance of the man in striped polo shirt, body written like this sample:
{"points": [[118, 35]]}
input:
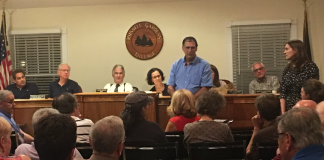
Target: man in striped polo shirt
{"points": [[66, 103]]}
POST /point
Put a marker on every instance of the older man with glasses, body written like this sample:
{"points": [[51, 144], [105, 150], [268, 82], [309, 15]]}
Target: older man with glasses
{"points": [[262, 82]]}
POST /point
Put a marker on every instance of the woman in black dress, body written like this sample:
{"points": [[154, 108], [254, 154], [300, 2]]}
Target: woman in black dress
{"points": [[299, 69], [155, 77]]}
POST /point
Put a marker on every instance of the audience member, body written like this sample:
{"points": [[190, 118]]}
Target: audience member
{"points": [[137, 128], [22, 89], [29, 149], [5, 141], [63, 84], [312, 89], [183, 108], [208, 105], [66, 103], [320, 111], [118, 73], [300, 135], [215, 76], [7, 105], [107, 138], [155, 77], [268, 106], [191, 72], [261, 81], [55, 137], [306, 103]]}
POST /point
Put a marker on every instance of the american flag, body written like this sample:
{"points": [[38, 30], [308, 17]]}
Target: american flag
{"points": [[5, 61]]}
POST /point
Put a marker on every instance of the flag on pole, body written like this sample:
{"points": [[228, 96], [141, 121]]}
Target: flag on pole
{"points": [[5, 61], [306, 36]]}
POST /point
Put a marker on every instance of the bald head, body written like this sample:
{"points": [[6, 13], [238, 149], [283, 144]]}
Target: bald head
{"points": [[320, 111], [306, 103]]}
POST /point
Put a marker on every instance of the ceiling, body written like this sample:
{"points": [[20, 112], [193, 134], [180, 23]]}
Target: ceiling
{"points": [[20, 4]]}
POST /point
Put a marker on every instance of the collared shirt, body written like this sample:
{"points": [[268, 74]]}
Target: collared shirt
{"points": [[12, 122], [192, 77], [25, 92], [83, 129], [267, 83], [123, 87], [311, 152], [56, 89]]}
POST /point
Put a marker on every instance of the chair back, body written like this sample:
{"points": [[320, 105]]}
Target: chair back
{"points": [[85, 150], [217, 151], [14, 142], [178, 136], [142, 151], [267, 150], [242, 135]]}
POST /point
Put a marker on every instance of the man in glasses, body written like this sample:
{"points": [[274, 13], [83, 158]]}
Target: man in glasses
{"points": [[262, 82], [300, 135], [7, 105], [190, 72], [63, 84]]}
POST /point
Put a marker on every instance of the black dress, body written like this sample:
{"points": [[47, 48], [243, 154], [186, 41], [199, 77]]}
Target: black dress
{"points": [[164, 92], [292, 81]]}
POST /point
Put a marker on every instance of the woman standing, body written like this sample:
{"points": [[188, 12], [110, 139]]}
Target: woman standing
{"points": [[299, 69]]}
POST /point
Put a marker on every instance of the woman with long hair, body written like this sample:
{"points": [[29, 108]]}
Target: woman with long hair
{"points": [[299, 69]]}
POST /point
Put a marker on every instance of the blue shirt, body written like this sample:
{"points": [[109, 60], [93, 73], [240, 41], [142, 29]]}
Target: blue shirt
{"points": [[12, 122], [25, 92], [311, 152], [192, 77]]}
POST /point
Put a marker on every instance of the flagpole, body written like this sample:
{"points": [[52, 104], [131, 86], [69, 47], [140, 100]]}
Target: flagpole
{"points": [[3, 5]]}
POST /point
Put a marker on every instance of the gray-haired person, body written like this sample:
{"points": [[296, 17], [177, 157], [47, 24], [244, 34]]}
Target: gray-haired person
{"points": [[107, 138], [300, 135], [118, 73]]}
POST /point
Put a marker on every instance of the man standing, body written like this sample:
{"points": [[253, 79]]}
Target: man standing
{"points": [[300, 135], [262, 82], [7, 105], [190, 72], [22, 89], [107, 138], [63, 84], [118, 73]]}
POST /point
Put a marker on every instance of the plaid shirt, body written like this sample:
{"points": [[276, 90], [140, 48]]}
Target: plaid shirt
{"points": [[267, 83]]}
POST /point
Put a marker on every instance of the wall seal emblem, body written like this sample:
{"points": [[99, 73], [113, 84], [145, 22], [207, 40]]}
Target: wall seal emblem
{"points": [[144, 40]]}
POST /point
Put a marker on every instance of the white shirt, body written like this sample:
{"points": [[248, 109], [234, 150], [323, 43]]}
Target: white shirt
{"points": [[124, 87]]}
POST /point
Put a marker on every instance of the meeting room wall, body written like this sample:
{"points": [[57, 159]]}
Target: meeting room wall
{"points": [[96, 34]]}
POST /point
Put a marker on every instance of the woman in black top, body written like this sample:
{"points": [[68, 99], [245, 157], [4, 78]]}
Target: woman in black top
{"points": [[299, 69], [155, 76]]}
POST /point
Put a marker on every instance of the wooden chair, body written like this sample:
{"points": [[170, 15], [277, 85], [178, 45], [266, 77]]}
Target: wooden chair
{"points": [[217, 151], [144, 151], [267, 150], [242, 135], [14, 142], [85, 150], [178, 137]]}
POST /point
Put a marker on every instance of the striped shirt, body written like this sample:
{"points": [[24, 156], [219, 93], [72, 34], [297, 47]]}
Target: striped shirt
{"points": [[83, 129]]}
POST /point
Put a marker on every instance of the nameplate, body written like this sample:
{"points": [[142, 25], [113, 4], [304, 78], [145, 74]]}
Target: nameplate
{"points": [[101, 90], [263, 91], [235, 92], [37, 96]]}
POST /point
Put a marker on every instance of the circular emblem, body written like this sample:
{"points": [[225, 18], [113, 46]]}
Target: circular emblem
{"points": [[144, 40]]}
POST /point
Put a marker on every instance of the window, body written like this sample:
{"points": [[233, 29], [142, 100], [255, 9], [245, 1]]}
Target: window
{"points": [[258, 43], [38, 53]]}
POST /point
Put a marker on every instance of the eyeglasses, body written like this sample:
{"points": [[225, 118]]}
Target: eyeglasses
{"points": [[190, 47], [64, 70], [259, 69], [276, 135], [156, 77], [13, 102]]}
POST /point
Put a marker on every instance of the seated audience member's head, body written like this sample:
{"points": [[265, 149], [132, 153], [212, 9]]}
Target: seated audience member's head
{"points": [[182, 103], [118, 73], [154, 76], [136, 104], [298, 128], [66, 103], [268, 106], [210, 104], [306, 103], [19, 77], [41, 113], [5, 141], [320, 111], [55, 137], [215, 76], [312, 89], [107, 136], [258, 70], [7, 103], [63, 71]]}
